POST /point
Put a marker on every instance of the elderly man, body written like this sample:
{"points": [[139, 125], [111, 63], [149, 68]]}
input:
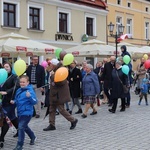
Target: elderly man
{"points": [[59, 94], [106, 77]]}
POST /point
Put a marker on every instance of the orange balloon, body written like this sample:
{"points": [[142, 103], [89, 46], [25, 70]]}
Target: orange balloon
{"points": [[61, 74]]}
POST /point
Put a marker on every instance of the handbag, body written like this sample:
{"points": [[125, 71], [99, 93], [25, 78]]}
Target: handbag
{"points": [[125, 88]]}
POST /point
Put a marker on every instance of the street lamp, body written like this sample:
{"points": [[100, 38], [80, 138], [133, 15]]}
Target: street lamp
{"points": [[120, 32]]}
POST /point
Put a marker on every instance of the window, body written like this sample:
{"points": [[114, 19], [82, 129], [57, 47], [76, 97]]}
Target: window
{"points": [[34, 17], [63, 22], [9, 15], [129, 26], [118, 22], [147, 30], [90, 25], [119, 2], [146, 9], [129, 4]]}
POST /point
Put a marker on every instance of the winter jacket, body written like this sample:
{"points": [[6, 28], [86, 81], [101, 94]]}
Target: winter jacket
{"points": [[10, 86], [59, 91], [74, 84], [90, 84], [23, 103], [116, 85], [40, 75]]}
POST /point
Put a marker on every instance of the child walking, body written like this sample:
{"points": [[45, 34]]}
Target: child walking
{"points": [[25, 99], [144, 91]]}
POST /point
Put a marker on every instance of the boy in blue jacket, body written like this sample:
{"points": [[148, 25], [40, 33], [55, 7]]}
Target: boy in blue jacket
{"points": [[25, 99], [144, 91]]}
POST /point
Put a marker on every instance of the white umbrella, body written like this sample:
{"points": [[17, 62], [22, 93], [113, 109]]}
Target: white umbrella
{"points": [[15, 44], [92, 48]]}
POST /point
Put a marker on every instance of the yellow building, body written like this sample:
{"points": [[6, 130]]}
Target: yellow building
{"points": [[134, 15]]}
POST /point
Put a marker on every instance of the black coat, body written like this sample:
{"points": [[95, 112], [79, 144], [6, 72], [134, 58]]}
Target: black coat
{"points": [[75, 84], [10, 86], [116, 86], [40, 75], [106, 76]]}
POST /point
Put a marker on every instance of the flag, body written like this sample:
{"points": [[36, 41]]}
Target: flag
{"points": [[124, 36]]}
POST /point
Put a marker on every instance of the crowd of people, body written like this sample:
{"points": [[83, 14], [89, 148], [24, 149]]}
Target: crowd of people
{"points": [[27, 92]]}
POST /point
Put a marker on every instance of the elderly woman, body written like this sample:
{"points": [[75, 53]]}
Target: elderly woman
{"points": [[118, 80], [91, 88]]}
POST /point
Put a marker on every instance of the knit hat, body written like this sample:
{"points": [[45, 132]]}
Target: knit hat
{"points": [[54, 61]]}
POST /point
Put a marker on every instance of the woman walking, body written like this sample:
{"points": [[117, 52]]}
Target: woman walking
{"points": [[91, 88]]}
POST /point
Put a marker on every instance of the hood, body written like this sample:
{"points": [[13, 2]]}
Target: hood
{"points": [[124, 48]]}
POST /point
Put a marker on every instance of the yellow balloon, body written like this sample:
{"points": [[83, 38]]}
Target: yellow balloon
{"points": [[145, 56], [19, 67]]}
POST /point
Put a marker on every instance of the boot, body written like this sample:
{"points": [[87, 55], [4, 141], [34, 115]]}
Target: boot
{"points": [[73, 124], [79, 111], [50, 127]]}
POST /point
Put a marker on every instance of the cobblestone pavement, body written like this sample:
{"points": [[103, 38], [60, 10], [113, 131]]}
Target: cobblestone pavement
{"points": [[129, 130]]}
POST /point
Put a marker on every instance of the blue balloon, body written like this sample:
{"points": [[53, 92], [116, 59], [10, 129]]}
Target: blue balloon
{"points": [[125, 69], [13, 71], [3, 75]]}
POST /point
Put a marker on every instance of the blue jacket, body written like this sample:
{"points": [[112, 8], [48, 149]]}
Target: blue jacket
{"points": [[144, 88], [23, 103], [91, 85]]}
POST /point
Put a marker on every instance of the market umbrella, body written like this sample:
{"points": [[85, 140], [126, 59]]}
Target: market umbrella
{"points": [[92, 48], [14, 44]]}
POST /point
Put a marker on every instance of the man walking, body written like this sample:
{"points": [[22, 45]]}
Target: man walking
{"points": [[36, 74], [59, 94]]}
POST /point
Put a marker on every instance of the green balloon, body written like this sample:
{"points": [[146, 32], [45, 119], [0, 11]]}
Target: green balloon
{"points": [[57, 52], [68, 59], [126, 59]]}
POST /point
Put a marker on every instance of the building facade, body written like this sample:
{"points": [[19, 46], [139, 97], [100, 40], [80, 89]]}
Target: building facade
{"points": [[134, 15], [61, 23]]}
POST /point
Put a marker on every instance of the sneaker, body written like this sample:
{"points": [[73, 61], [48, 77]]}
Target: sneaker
{"points": [[146, 104], [18, 147], [32, 142], [50, 127], [73, 124], [139, 103]]}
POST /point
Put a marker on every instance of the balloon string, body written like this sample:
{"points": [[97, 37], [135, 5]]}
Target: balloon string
{"points": [[42, 86]]}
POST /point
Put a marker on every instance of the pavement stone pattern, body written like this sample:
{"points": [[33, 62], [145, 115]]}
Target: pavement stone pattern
{"points": [[129, 130]]}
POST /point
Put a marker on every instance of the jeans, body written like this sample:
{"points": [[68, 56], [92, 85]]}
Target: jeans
{"points": [[23, 127]]}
